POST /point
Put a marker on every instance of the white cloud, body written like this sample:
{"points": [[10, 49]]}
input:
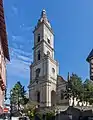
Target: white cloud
{"points": [[21, 57], [17, 38], [20, 52], [14, 10], [25, 28], [18, 71], [13, 38], [18, 68], [24, 58]]}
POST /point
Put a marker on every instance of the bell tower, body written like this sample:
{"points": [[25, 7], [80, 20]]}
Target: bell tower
{"points": [[43, 38], [44, 69]]}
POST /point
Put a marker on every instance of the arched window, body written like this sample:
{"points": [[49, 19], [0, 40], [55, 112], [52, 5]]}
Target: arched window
{"points": [[38, 38], [37, 72], [39, 55], [53, 70], [53, 98]]}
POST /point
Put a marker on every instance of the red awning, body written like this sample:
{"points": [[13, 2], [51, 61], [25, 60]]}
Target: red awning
{"points": [[6, 110]]}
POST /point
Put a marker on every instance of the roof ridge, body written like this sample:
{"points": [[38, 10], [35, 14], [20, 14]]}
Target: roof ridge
{"points": [[90, 55]]}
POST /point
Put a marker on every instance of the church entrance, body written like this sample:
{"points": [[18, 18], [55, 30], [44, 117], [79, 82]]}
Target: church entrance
{"points": [[53, 98]]}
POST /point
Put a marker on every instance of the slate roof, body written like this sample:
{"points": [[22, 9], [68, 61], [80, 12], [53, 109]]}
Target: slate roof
{"points": [[61, 79], [90, 55]]}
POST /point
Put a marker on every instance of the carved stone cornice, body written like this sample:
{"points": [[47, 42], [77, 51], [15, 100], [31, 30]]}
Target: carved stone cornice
{"points": [[43, 22], [42, 41]]}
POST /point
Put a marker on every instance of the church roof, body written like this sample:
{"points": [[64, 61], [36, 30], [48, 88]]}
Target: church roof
{"points": [[60, 78], [44, 18], [90, 55], [3, 32]]}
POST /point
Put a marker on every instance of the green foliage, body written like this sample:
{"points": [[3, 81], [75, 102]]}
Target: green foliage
{"points": [[18, 94], [39, 115], [80, 90], [50, 115], [88, 91], [29, 109], [74, 87]]}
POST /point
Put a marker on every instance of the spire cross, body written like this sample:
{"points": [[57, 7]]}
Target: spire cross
{"points": [[43, 14]]}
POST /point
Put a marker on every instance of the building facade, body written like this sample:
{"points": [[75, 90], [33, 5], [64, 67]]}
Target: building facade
{"points": [[47, 87], [4, 55], [90, 61]]}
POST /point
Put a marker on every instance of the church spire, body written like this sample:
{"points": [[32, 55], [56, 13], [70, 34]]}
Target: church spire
{"points": [[43, 18], [43, 14]]}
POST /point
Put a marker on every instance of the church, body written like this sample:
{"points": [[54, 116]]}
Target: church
{"points": [[46, 85]]}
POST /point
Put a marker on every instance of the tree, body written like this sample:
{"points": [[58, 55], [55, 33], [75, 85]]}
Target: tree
{"points": [[30, 109], [50, 115], [83, 91], [74, 87], [18, 95], [88, 91], [33, 112]]}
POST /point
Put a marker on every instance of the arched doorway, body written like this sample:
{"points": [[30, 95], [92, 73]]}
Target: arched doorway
{"points": [[53, 98]]}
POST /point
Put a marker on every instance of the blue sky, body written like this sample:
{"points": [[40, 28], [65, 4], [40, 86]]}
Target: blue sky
{"points": [[72, 22]]}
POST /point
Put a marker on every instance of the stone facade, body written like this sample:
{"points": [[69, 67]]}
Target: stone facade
{"points": [[46, 86], [61, 88], [44, 69]]}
